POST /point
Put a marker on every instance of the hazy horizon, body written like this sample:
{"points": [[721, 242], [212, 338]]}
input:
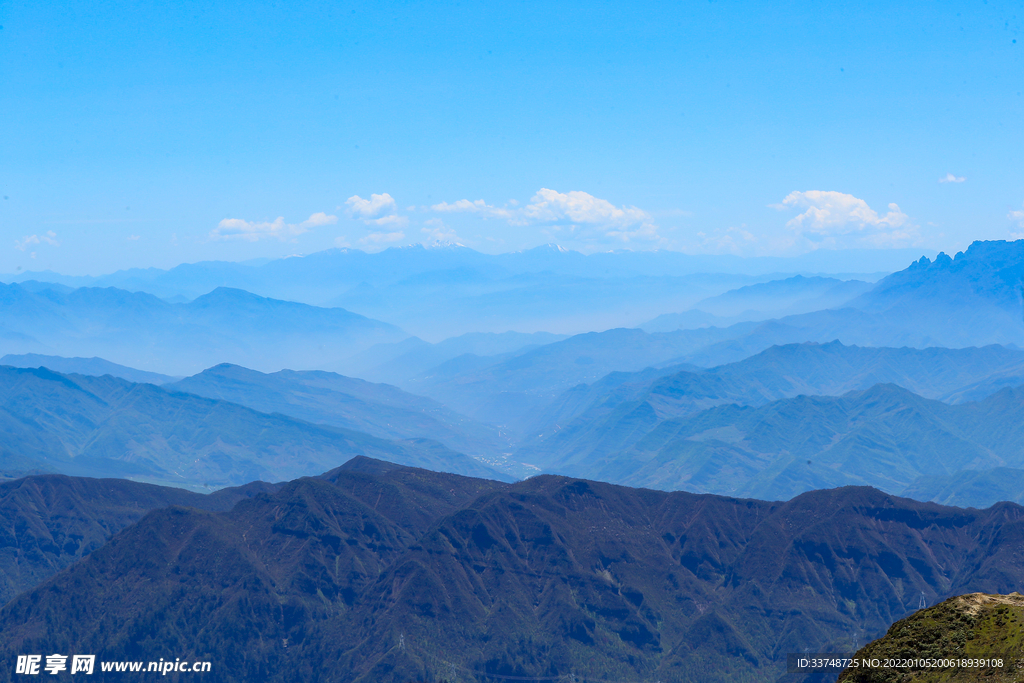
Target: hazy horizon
{"points": [[851, 261]]}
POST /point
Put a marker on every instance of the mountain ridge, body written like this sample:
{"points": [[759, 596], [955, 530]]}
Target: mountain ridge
{"points": [[440, 293], [777, 373], [107, 426], [322, 397], [85, 366], [545, 577], [142, 331], [884, 436], [51, 521]]}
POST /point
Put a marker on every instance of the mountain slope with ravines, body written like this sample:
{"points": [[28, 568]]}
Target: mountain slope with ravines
{"points": [[884, 436], [381, 573]]}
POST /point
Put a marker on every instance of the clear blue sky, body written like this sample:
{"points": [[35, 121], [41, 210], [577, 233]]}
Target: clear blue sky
{"points": [[142, 133]]}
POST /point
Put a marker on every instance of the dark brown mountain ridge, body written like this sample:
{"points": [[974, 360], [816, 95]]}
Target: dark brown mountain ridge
{"points": [[49, 522], [376, 572]]}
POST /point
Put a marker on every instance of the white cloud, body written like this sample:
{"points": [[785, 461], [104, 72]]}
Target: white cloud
{"points": [[837, 212], [374, 207], [583, 215], [549, 206], [950, 178], [317, 220], [50, 237], [25, 241], [133, 238], [478, 206], [379, 210], [834, 219], [253, 231], [341, 242], [1019, 217], [461, 205], [588, 216], [393, 220]]}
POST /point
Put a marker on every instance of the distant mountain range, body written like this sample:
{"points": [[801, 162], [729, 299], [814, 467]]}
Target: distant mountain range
{"points": [[776, 298], [310, 279], [105, 426], [529, 393], [912, 308], [885, 437], [833, 369], [381, 573], [442, 292], [970, 301], [727, 430], [588, 405], [399, 362], [327, 398], [970, 488], [142, 331], [96, 367], [510, 389]]}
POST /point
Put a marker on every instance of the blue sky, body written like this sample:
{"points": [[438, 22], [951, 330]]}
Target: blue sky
{"points": [[149, 134]]}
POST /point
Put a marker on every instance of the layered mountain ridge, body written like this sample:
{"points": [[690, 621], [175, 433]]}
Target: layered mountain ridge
{"points": [[51, 521], [143, 331], [105, 426], [726, 430], [385, 573], [328, 398], [884, 436]]}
